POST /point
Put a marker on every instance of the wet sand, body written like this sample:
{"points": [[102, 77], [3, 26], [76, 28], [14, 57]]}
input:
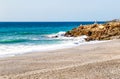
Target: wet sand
{"points": [[95, 61]]}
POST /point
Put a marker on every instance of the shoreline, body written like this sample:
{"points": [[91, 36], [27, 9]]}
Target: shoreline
{"points": [[55, 47], [86, 61]]}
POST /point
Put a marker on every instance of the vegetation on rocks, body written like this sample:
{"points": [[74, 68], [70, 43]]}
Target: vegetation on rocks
{"points": [[107, 31]]}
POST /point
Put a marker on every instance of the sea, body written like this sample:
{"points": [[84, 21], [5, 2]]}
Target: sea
{"points": [[24, 37]]}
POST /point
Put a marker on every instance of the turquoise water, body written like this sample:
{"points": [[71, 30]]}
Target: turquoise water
{"points": [[31, 33], [24, 35]]}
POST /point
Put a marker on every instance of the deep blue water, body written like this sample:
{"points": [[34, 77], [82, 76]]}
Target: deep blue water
{"points": [[34, 32]]}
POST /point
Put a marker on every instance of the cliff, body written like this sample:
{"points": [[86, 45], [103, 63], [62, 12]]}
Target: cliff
{"points": [[107, 31]]}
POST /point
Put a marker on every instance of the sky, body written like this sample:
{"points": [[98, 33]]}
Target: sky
{"points": [[59, 10]]}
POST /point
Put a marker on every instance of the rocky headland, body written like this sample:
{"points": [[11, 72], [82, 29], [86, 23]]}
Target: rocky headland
{"points": [[107, 31]]}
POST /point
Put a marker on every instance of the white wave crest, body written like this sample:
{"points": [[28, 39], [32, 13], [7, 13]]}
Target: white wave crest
{"points": [[57, 35], [67, 42]]}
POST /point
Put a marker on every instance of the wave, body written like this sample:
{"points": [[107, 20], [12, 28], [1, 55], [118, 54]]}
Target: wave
{"points": [[21, 33], [12, 50], [74, 40], [65, 42], [61, 35], [27, 33], [56, 35], [13, 40]]}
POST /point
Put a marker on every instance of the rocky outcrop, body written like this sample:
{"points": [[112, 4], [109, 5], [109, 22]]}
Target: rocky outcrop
{"points": [[107, 31]]}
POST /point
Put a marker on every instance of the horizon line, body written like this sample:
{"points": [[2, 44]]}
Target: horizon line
{"points": [[53, 21]]}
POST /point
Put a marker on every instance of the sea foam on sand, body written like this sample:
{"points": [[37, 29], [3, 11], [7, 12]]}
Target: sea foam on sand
{"points": [[68, 42]]}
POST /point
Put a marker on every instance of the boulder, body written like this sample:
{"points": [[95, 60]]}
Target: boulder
{"points": [[107, 31]]}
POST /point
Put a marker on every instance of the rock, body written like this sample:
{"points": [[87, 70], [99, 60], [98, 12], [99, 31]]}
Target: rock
{"points": [[101, 26], [107, 31]]}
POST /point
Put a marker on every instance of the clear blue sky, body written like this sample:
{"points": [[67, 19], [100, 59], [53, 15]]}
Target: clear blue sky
{"points": [[59, 10]]}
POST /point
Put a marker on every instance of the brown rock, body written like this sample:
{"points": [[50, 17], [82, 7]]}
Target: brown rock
{"points": [[105, 31]]}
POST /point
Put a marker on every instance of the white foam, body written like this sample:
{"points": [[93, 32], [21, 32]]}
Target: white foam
{"points": [[57, 35], [12, 50]]}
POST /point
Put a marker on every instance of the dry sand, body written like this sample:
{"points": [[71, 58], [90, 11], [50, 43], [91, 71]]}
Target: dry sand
{"points": [[95, 61]]}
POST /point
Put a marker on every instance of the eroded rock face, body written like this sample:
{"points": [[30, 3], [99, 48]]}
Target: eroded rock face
{"points": [[107, 31]]}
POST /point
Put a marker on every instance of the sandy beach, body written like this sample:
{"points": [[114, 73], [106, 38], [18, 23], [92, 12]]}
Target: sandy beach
{"points": [[94, 61]]}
